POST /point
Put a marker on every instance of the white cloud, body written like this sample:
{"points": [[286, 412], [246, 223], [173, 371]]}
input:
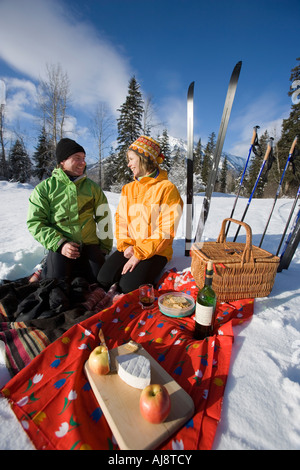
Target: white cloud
{"points": [[39, 32], [174, 113], [21, 98]]}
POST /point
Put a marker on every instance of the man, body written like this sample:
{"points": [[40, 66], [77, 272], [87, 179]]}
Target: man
{"points": [[69, 215]]}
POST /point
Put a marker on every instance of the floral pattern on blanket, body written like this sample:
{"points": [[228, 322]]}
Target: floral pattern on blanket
{"points": [[52, 397]]}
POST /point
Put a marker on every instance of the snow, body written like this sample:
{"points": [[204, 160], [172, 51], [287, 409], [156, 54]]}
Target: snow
{"points": [[262, 396]]}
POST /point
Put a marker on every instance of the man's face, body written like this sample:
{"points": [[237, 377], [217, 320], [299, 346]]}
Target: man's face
{"points": [[74, 165]]}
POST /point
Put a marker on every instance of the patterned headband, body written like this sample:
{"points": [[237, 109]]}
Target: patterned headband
{"points": [[149, 148]]}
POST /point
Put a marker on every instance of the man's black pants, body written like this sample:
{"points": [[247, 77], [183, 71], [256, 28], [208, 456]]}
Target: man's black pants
{"points": [[87, 265]]}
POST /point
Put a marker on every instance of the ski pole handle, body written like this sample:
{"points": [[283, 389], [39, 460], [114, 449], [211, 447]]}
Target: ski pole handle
{"points": [[269, 148], [268, 151], [254, 134], [293, 145], [287, 163]]}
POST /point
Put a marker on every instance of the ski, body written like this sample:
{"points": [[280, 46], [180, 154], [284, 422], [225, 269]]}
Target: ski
{"points": [[291, 245], [190, 169], [254, 143], [291, 152], [288, 220], [267, 155], [219, 146]]}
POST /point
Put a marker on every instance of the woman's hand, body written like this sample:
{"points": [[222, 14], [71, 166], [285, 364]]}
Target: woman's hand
{"points": [[128, 252], [130, 265], [70, 250]]}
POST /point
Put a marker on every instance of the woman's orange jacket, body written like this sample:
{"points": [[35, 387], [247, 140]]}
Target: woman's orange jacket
{"points": [[148, 215]]}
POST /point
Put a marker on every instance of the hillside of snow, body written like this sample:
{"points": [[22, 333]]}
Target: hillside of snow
{"points": [[262, 397]]}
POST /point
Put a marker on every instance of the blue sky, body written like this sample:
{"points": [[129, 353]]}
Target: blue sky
{"points": [[166, 44]]}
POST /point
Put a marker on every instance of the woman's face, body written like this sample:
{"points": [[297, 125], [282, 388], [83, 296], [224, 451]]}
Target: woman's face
{"points": [[134, 164]]}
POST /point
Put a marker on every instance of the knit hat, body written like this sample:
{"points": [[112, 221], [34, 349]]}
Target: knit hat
{"points": [[67, 147], [149, 148]]}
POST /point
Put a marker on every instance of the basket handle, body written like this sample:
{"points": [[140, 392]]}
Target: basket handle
{"points": [[248, 252]]}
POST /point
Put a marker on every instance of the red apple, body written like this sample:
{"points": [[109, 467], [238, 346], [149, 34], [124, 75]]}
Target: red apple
{"points": [[155, 403], [99, 360]]}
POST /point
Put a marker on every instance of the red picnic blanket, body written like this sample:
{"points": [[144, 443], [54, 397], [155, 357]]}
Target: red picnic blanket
{"points": [[52, 397]]}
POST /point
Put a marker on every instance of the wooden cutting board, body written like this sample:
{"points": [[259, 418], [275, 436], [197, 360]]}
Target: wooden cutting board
{"points": [[120, 405]]}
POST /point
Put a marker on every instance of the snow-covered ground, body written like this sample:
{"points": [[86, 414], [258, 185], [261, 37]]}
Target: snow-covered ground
{"points": [[262, 397]]}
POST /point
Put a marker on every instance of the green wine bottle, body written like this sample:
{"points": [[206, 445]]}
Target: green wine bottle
{"points": [[205, 306]]}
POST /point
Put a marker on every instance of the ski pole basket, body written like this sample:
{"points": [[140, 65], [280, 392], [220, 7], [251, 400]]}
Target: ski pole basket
{"points": [[241, 270]]}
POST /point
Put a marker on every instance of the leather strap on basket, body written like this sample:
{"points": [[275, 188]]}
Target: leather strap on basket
{"points": [[247, 255]]}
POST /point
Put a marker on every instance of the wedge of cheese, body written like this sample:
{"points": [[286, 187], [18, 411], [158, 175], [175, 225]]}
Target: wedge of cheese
{"points": [[134, 369]]}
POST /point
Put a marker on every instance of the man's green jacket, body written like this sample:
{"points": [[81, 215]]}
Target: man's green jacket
{"points": [[63, 210]]}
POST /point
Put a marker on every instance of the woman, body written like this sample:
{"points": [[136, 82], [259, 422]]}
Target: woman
{"points": [[146, 220]]}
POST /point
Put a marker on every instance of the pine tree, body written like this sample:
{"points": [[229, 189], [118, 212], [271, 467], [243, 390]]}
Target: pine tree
{"points": [[198, 158], [19, 163], [177, 174], [110, 182], [42, 157], [165, 149], [3, 162], [198, 161], [129, 129], [207, 158], [223, 176], [291, 129]]}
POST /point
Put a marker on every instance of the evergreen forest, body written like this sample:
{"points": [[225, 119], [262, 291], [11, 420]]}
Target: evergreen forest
{"points": [[135, 117]]}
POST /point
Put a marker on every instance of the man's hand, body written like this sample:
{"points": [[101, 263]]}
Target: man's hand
{"points": [[70, 250], [130, 265]]}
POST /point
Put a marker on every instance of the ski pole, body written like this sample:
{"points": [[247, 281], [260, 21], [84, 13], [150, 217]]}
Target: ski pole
{"points": [[253, 143], [289, 219], [279, 187], [291, 245], [268, 151]]}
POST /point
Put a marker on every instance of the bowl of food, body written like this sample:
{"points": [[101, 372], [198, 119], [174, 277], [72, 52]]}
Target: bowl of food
{"points": [[176, 304]]}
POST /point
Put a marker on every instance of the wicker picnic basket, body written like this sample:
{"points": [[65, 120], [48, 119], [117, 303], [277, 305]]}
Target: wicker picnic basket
{"points": [[241, 270]]}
